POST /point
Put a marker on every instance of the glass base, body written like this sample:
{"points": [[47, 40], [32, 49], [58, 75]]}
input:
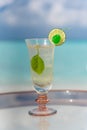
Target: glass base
{"points": [[47, 112]]}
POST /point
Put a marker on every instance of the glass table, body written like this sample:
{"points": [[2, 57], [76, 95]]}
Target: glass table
{"points": [[71, 108]]}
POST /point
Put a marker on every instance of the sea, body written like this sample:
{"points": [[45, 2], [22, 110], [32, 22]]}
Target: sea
{"points": [[70, 66]]}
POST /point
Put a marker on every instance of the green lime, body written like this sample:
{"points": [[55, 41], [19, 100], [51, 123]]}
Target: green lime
{"points": [[57, 37]]}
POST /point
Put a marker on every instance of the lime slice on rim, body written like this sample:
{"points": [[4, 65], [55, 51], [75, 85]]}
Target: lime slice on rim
{"points": [[57, 37]]}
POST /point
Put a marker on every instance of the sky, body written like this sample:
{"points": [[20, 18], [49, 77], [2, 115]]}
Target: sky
{"points": [[20, 19]]}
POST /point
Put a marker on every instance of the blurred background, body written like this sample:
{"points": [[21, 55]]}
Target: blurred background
{"points": [[20, 19]]}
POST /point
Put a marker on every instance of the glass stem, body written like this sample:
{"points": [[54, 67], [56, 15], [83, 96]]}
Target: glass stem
{"points": [[42, 100]]}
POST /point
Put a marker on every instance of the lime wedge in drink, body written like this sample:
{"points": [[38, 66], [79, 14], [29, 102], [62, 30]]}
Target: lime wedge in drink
{"points": [[37, 63], [57, 37]]}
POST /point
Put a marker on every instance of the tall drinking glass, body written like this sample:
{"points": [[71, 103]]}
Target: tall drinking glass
{"points": [[41, 53]]}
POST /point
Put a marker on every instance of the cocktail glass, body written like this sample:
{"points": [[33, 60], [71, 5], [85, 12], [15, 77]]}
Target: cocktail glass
{"points": [[41, 54]]}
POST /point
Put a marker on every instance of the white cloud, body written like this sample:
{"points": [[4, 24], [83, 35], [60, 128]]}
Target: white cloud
{"points": [[8, 18], [50, 12], [34, 5], [83, 17], [5, 2], [59, 13]]}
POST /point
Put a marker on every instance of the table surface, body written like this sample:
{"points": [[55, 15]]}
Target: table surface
{"points": [[71, 109]]}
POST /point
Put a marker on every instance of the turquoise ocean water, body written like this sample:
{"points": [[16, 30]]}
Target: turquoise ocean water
{"points": [[70, 66]]}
